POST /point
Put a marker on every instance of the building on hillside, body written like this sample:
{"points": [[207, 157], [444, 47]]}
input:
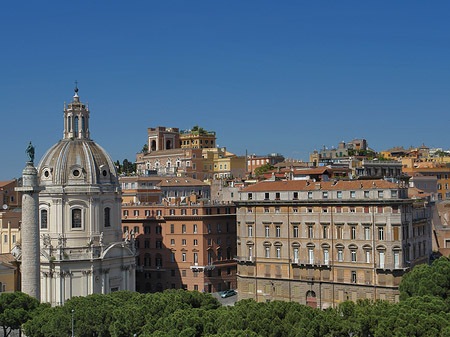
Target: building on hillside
{"points": [[426, 168], [378, 169], [291, 164], [10, 221], [197, 138], [356, 147], [199, 161], [9, 198], [9, 274], [218, 163], [80, 246], [254, 161], [427, 184], [181, 188], [441, 224], [183, 245], [321, 243], [160, 139], [140, 189], [225, 191]]}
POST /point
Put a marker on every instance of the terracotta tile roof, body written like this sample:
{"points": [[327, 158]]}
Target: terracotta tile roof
{"points": [[4, 183], [304, 185], [7, 258], [181, 181]]}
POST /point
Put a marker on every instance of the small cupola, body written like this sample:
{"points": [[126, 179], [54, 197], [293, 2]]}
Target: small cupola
{"points": [[76, 119]]}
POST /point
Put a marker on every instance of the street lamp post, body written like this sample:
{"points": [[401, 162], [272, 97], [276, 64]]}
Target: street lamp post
{"points": [[72, 323]]}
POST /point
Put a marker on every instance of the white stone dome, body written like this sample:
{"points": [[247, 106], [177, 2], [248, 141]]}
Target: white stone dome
{"points": [[76, 159], [76, 162]]}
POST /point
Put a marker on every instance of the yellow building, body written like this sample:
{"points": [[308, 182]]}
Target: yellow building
{"points": [[9, 275], [197, 138], [9, 230], [219, 163]]}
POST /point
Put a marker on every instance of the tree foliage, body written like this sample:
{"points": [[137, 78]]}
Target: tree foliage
{"points": [[15, 309], [424, 310], [264, 168]]}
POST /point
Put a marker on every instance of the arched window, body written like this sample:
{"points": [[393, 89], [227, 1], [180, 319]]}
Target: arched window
{"points": [[69, 124], [76, 218], [44, 214], [76, 126], [83, 125], [107, 217]]}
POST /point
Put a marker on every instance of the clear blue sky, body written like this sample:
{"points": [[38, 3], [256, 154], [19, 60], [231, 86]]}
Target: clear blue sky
{"points": [[268, 76]]}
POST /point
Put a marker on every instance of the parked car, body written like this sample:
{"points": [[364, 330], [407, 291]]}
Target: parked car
{"points": [[228, 293]]}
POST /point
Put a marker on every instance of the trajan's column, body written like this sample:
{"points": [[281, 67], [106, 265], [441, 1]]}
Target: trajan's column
{"points": [[30, 228]]}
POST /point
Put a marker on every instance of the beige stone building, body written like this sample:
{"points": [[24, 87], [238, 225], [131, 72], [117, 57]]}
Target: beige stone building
{"points": [[320, 243], [10, 222]]}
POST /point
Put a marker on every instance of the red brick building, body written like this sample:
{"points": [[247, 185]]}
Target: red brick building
{"points": [[183, 245]]}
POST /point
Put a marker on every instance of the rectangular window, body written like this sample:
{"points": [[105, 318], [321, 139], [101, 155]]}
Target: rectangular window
{"points": [[219, 230], [352, 194], [324, 210], [325, 256], [366, 209], [352, 210], [172, 242], [158, 229], [295, 232], [183, 242], [14, 238], [267, 249], [277, 209], [295, 195], [325, 195], [294, 210], [209, 228], [172, 257], [266, 209], [394, 209], [267, 231], [338, 209], [310, 231], [339, 194], [277, 196], [353, 232], [311, 255], [380, 194], [76, 218], [396, 231], [250, 196], [295, 255], [339, 232], [250, 230], [380, 209], [353, 254], [366, 233], [195, 242], [393, 193], [277, 231], [158, 244], [183, 257], [172, 228], [380, 233], [266, 196], [396, 259], [366, 194], [310, 195], [325, 232], [136, 212], [278, 253], [367, 256], [249, 210], [44, 214], [340, 255], [195, 228], [353, 276]]}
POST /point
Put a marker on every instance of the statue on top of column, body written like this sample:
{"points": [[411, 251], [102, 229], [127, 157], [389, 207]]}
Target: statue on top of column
{"points": [[30, 152]]}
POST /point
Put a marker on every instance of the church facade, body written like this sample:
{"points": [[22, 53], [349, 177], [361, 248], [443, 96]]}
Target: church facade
{"points": [[81, 247]]}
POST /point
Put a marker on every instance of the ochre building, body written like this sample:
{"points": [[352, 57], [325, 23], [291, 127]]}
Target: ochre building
{"points": [[321, 243]]}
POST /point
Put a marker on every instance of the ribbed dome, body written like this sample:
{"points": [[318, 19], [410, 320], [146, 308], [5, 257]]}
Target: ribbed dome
{"points": [[76, 162]]}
